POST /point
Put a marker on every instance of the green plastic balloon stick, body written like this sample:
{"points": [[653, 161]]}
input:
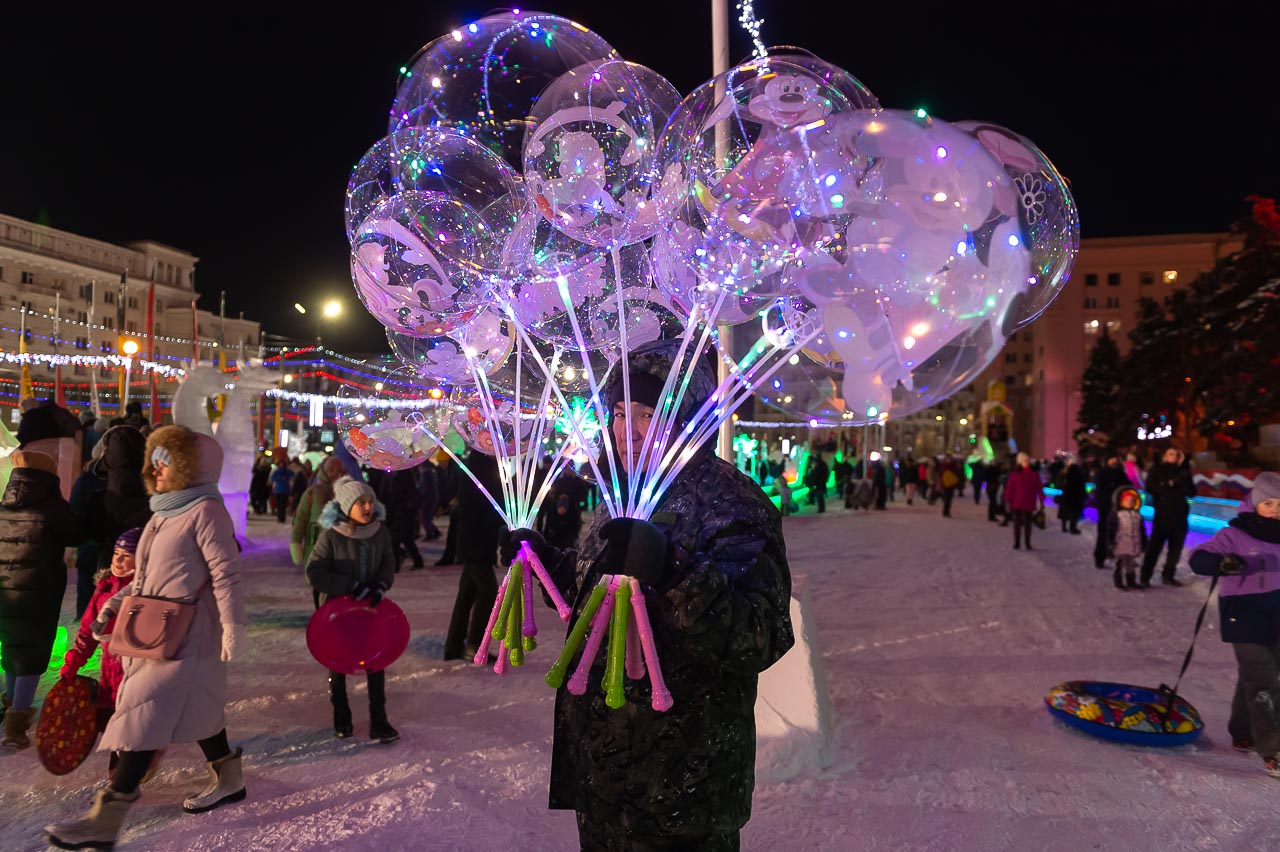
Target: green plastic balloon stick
{"points": [[555, 677], [500, 628], [514, 640], [614, 666]]}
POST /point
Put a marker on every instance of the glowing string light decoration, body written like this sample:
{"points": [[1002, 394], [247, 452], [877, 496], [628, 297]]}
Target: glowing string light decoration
{"points": [[750, 23]]}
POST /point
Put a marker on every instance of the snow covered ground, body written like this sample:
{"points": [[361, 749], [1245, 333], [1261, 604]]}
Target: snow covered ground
{"points": [[939, 642]]}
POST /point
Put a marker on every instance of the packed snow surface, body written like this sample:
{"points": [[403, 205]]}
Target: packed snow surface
{"points": [[938, 642]]}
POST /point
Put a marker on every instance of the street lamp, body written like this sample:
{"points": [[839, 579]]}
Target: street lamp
{"points": [[128, 347]]}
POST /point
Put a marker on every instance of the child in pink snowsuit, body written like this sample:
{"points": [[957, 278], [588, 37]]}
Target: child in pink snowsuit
{"points": [[119, 575]]}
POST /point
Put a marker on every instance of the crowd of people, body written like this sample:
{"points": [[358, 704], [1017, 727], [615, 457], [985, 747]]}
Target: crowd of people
{"points": [[711, 559], [147, 521]]}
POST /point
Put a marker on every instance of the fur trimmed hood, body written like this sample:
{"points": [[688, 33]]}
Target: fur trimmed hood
{"points": [[197, 458]]}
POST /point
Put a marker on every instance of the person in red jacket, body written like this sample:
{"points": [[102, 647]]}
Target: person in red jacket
{"points": [[119, 575], [1023, 497]]}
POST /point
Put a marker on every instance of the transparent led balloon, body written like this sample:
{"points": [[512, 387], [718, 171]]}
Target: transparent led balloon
{"points": [[430, 160], [1040, 203], [390, 430], [591, 307], [483, 344], [483, 78], [755, 189], [495, 427], [413, 263], [590, 156], [872, 381]]}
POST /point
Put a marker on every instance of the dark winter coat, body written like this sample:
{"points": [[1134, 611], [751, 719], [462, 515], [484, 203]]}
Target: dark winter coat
{"points": [[720, 616], [401, 500], [1106, 482], [478, 522], [816, 473], [428, 490], [36, 526], [345, 557], [86, 494], [124, 503], [1248, 603], [1071, 500], [1170, 487]]}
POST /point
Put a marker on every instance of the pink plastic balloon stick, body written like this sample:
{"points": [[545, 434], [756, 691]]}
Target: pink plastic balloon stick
{"points": [[531, 558], [599, 628], [482, 655], [500, 667], [635, 654], [530, 628], [661, 695]]}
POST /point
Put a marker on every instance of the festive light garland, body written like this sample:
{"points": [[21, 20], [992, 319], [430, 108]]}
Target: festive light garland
{"points": [[99, 327], [750, 23], [142, 365], [360, 402]]}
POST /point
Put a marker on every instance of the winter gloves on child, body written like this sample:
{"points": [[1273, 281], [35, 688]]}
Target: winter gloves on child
{"points": [[372, 593], [637, 549], [1231, 565]]}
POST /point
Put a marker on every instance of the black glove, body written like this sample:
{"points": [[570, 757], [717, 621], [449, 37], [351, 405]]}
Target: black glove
{"points": [[637, 549], [373, 593], [509, 546], [1231, 565]]}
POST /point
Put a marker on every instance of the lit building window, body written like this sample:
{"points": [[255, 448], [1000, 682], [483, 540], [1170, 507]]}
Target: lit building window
{"points": [[1170, 276]]}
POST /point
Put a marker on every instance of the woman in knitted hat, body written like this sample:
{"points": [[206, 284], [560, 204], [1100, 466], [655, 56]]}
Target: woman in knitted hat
{"points": [[354, 556], [1246, 556], [36, 524], [187, 552]]}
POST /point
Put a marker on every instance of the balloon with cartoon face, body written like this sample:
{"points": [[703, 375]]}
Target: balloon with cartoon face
{"points": [[590, 152], [413, 263], [753, 195]]}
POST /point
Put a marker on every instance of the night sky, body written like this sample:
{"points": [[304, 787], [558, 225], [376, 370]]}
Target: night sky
{"points": [[231, 133]]}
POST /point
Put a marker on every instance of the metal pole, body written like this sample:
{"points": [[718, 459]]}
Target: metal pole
{"points": [[151, 350], [720, 64], [57, 370], [93, 373]]}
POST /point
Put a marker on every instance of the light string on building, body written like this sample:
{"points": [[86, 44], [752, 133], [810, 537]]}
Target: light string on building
{"points": [[34, 314], [105, 362]]}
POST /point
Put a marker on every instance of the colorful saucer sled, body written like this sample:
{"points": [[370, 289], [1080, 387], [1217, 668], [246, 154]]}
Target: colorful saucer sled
{"points": [[1124, 713], [350, 636], [68, 726]]}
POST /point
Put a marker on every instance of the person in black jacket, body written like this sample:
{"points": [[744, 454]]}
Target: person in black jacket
{"points": [[86, 491], [1071, 481], [712, 563], [1108, 478], [36, 525], [478, 525], [1170, 486], [401, 499], [354, 556], [993, 476]]}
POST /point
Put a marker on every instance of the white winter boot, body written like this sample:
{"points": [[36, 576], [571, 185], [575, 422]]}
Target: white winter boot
{"points": [[226, 785], [100, 828]]}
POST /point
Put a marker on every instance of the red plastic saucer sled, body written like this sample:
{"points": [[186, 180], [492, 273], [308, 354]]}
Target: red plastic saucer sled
{"points": [[351, 636], [68, 726]]}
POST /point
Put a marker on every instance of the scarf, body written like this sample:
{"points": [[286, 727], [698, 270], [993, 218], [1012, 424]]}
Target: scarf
{"points": [[173, 503], [1255, 526]]}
